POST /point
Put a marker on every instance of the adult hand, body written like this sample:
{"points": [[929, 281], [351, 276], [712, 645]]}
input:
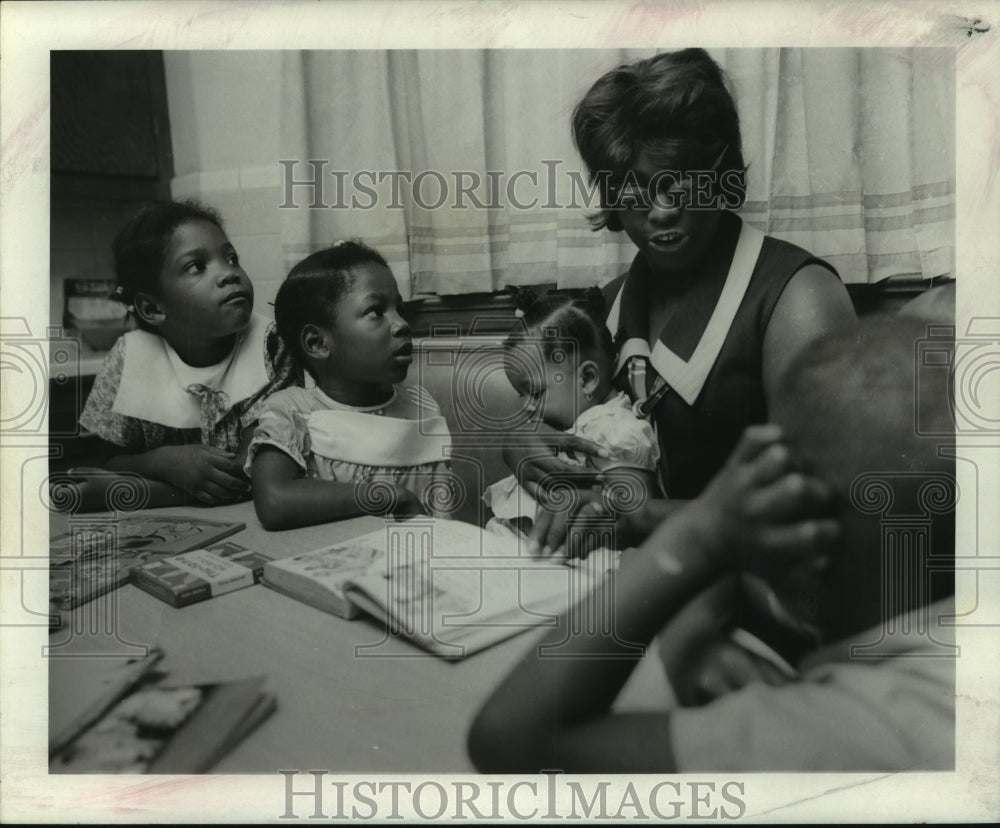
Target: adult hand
{"points": [[567, 506], [611, 513], [699, 654], [534, 460], [718, 667], [210, 474]]}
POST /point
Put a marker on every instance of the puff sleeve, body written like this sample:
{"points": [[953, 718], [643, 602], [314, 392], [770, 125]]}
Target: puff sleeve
{"points": [[282, 423], [629, 440]]}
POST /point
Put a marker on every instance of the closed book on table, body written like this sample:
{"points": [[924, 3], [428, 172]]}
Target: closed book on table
{"points": [[99, 556], [137, 721], [201, 574], [318, 577]]}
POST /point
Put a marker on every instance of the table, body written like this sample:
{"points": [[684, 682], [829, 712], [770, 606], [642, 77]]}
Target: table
{"points": [[336, 711]]}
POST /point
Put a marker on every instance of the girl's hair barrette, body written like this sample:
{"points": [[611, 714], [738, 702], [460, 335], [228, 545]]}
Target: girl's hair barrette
{"points": [[118, 295]]}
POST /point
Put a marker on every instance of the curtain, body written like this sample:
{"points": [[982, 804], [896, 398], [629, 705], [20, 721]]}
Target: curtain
{"points": [[458, 165]]}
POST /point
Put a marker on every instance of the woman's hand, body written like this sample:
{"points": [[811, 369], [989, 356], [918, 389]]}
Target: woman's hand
{"points": [[575, 522], [209, 474], [533, 458], [701, 659]]}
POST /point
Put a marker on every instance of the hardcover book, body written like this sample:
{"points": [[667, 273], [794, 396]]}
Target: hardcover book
{"points": [[450, 587], [97, 557], [137, 722], [201, 574]]}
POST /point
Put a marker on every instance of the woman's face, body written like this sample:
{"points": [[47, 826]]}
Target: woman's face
{"points": [[674, 227]]}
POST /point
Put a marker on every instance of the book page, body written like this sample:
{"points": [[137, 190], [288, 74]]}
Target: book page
{"points": [[451, 582]]}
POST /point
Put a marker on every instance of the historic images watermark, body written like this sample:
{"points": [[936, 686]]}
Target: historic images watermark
{"points": [[314, 184], [311, 795], [966, 367]]}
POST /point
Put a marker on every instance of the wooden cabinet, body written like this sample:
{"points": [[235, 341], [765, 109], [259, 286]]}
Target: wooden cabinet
{"points": [[110, 153], [110, 129]]}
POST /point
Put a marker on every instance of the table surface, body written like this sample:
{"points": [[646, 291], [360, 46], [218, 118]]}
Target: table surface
{"points": [[402, 711]]}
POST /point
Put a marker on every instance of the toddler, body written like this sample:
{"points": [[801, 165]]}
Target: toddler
{"points": [[177, 398], [561, 364], [361, 441]]}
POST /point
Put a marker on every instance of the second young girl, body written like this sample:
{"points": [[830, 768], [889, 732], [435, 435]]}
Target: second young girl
{"points": [[361, 441], [561, 363]]}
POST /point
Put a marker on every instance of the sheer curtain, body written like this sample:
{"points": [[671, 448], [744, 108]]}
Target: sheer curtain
{"points": [[459, 167]]}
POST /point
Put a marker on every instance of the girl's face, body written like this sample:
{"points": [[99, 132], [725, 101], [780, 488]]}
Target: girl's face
{"points": [[548, 387], [370, 341], [677, 230], [204, 294]]}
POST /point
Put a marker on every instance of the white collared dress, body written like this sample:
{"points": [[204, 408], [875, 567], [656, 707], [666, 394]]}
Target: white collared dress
{"points": [[404, 440], [145, 396]]}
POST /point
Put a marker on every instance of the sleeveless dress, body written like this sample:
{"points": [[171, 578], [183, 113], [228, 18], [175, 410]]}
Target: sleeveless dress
{"points": [[710, 356]]}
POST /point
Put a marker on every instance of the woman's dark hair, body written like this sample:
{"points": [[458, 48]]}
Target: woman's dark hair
{"points": [[313, 288], [140, 247], [677, 108], [553, 318]]}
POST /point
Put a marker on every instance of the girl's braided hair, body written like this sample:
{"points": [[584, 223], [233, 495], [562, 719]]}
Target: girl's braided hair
{"points": [[314, 287], [552, 318]]}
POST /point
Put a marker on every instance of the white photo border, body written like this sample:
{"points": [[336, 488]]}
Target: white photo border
{"points": [[29, 30]]}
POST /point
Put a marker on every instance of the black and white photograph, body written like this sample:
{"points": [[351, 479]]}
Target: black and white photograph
{"points": [[525, 412]]}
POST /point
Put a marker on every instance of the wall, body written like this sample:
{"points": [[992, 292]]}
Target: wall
{"points": [[81, 232], [225, 119]]}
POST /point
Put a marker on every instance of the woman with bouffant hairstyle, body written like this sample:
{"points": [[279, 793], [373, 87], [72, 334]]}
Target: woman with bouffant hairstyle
{"points": [[711, 310], [678, 108]]}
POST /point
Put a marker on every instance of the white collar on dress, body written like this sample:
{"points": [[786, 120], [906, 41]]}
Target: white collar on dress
{"points": [[330, 402], [687, 378], [155, 379], [366, 439]]}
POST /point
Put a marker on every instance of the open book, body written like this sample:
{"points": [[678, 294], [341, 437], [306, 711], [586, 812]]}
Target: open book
{"points": [[450, 587]]}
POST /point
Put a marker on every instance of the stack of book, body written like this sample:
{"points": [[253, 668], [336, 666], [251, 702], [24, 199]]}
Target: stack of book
{"points": [[95, 558]]}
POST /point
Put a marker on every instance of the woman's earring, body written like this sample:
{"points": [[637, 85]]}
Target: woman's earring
{"points": [[588, 395]]}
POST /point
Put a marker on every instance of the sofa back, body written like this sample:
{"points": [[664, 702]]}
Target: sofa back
{"points": [[465, 375]]}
